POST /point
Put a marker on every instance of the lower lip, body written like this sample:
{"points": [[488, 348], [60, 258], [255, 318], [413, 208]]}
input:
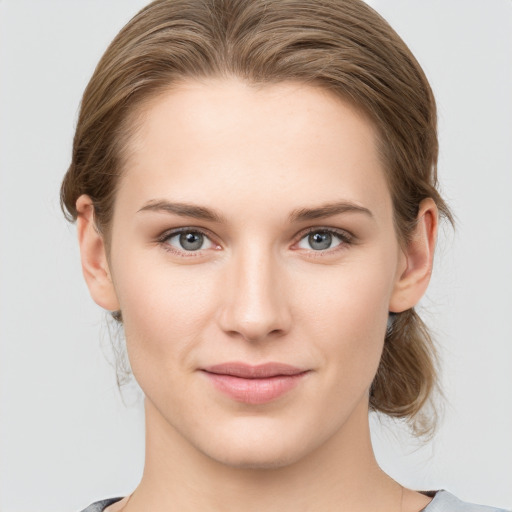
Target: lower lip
{"points": [[255, 391]]}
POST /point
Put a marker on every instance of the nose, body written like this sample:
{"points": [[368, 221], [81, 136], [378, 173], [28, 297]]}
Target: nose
{"points": [[254, 305]]}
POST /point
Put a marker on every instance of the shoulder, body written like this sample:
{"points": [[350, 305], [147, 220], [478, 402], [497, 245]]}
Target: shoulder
{"points": [[443, 502], [100, 506], [446, 502]]}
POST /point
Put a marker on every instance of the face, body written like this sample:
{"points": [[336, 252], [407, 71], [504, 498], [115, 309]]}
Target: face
{"points": [[254, 259]]}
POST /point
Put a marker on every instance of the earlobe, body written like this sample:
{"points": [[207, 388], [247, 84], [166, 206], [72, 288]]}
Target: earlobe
{"points": [[412, 283], [94, 257]]}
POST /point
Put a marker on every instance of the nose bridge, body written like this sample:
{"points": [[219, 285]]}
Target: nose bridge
{"points": [[255, 304]]}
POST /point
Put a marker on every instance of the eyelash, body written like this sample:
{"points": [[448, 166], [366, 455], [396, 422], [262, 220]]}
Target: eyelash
{"points": [[345, 238], [164, 238]]}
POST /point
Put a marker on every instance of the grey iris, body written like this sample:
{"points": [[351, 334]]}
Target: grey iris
{"points": [[191, 241], [320, 240]]}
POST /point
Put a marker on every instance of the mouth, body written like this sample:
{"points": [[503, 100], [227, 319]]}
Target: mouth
{"points": [[254, 385]]}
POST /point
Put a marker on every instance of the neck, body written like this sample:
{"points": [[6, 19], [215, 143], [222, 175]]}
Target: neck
{"points": [[340, 475]]}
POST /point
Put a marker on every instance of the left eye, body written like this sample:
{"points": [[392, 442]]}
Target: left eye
{"points": [[321, 240], [189, 241]]}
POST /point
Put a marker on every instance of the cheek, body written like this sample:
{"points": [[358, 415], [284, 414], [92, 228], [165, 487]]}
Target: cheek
{"points": [[346, 313], [350, 297], [164, 311]]}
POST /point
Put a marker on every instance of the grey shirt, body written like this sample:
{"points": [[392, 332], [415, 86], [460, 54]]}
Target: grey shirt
{"points": [[443, 502]]}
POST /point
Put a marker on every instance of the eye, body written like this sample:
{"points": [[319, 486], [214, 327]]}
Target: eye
{"points": [[188, 240], [322, 240]]}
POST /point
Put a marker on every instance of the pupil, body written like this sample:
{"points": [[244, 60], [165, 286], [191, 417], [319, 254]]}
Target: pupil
{"points": [[320, 241], [191, 241]]}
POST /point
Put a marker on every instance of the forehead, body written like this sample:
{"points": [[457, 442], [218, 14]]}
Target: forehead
{"points": [[223, 140]]}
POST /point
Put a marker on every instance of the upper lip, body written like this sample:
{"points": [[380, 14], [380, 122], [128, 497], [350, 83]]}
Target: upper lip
{"points": [[248, 371]]}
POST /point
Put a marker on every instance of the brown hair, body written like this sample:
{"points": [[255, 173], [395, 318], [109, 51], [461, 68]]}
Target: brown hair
{"points": [[341, 45]]}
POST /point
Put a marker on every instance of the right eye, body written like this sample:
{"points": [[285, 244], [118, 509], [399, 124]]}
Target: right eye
{"points": [[187, 240]]}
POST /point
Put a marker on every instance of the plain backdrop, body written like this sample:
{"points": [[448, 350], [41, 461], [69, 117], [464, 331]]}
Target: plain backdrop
{"points": [[66, 437]]}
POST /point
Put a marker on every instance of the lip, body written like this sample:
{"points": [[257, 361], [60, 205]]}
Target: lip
{"points": [[254, 384]]}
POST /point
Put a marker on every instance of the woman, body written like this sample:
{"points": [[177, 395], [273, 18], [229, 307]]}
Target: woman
{"points": [[254, 187]]}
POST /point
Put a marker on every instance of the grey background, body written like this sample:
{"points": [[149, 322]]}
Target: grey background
{"points": [[66, 438]]}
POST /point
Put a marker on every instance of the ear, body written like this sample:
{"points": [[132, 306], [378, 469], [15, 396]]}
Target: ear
{"points": [[419, 255], [94, 257]]}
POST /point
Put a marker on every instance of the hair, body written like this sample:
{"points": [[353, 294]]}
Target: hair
{"points": [[343, 46]]}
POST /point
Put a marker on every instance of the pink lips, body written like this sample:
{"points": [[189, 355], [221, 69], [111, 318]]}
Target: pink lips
{"points": [[254, 384]]}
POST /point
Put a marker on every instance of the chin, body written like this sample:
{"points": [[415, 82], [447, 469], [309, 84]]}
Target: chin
{"points": [[254, 459], [257, 449]]}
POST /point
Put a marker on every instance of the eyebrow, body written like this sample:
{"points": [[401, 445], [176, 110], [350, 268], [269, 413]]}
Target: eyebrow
{"points": [[182, 209], [328, 210], [298, 215]]}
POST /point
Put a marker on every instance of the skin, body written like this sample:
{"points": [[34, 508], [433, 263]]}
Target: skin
{"points": [[257, 291]]}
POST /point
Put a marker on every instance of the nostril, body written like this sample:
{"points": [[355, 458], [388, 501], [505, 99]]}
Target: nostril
{"points": [[255, 334]]}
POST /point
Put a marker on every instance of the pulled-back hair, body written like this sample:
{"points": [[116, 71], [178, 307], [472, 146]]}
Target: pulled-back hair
{"points": [[343, 46]]}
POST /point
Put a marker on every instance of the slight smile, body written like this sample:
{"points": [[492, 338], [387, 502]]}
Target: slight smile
{"points": [[254, 384]]}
